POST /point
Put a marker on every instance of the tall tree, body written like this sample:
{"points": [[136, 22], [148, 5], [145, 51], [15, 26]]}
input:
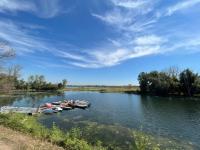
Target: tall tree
{"points": [[143, 81], [6, 83], [64, 83], [187, 82]]}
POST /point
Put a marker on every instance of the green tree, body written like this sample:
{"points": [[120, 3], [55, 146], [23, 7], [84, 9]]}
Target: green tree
{"points": [[159, 83], [188, 82], [143, 81], [30, 82], [64, 83]]}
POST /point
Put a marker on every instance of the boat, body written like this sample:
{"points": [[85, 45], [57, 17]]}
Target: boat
{"points": [[57, 108], [81, 104], [66, 107], [49, 111], [56, 103], [46, 105]]}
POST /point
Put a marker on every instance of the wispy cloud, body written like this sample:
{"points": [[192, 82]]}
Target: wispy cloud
{"points": [[41, 8], [135, 22], [14, 5], [20, 38], [129, 3], [149, 40], [181, 5]]}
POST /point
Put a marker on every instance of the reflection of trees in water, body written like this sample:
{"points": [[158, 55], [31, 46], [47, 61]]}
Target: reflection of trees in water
{"points": [[171, 116], [32, 99], [7, 101]]}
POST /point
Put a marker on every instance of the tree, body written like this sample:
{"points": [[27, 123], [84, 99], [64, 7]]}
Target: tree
{"points": [[197, 84], [14, 74], [143, 81], [64, 83], [7, 80], [160, 83], [60, 85], [187, 82]]}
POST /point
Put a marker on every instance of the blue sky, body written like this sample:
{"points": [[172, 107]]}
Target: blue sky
{"points": [[101, 41]]}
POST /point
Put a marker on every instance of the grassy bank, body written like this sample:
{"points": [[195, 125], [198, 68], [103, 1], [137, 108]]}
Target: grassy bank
{"points": [[15, 140], [89, 137], [105, 89], [28, 124], [16, 93]]}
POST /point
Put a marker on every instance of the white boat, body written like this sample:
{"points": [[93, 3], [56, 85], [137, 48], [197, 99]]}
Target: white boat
{"points": [[57, 109], [81, 104], [49, 111]]}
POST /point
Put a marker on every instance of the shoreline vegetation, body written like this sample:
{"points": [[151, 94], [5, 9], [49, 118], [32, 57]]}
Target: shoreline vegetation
{"points": [[105, 89], [172, 82], [15, 140], [90, 136]]}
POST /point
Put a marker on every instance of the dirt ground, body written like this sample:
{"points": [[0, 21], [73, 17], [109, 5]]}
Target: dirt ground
{"points": [[12, 140]]}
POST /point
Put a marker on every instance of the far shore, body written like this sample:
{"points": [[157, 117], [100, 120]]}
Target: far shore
{"points": [[105, 89], [90, 88]]}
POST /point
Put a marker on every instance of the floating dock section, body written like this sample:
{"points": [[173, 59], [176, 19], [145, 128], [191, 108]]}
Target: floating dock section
{"points": [[24, 110]]}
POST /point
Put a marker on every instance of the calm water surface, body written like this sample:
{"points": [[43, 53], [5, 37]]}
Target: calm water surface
{"points": [[176, 118]]}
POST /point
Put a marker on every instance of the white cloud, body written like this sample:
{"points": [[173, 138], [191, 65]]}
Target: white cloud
{"points": [[149, 40], [125, 14], [129, 3], [72, 56], [49, 8], [135, 21], [41, 8], [109, 57], [14, 5], [115, 18], [21, 39], [129, 18], [181, 5]]}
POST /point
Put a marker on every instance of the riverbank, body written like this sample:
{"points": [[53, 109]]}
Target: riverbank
{"points": [[16, 93], [29, 125], [85, 138], [15, 140], [105, 89], [124, 89]]}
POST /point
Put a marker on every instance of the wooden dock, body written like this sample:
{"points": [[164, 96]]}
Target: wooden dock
{"points": [[24, 110]]}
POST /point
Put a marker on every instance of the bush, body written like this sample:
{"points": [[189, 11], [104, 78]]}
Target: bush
{"points": [[76, 144]]}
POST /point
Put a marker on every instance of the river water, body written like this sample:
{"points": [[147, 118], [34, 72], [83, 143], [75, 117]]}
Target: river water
{"points": [[175, 118]]}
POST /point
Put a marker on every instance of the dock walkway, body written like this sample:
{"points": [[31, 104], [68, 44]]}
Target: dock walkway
{"points": [[25, 110]]}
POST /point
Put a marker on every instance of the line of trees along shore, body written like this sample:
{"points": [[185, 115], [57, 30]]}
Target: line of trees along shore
{"points": [[171, 82], [10, 76]]}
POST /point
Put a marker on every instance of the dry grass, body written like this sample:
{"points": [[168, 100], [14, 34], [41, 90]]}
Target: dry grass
{"points": [[13, 140]]}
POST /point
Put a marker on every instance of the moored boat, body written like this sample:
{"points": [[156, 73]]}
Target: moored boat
{"points": [[81, 104], [49, 111], [57, 108], [66, 107], [56, 103]]}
